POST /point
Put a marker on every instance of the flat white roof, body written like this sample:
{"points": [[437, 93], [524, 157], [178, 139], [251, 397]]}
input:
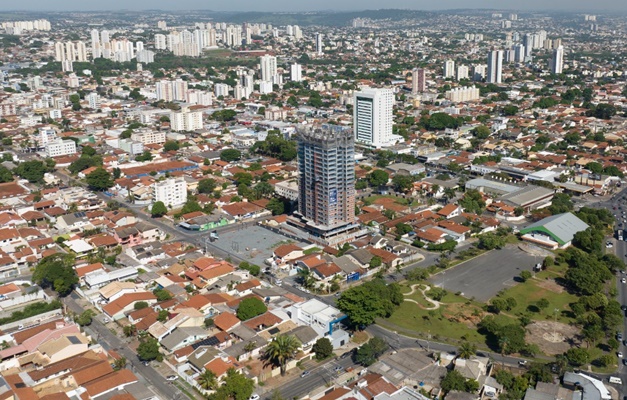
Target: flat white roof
{"points": [[79, 246]]}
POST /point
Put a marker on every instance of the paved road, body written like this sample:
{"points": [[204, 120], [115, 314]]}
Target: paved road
{"points": [[110, 341]]}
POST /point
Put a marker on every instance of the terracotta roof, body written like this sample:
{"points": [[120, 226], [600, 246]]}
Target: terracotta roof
{"points": [[286, 249], [448, 210], [263, 321], [85, 269], [111, 381], [226, 321], [21, 336], [121, 302]]}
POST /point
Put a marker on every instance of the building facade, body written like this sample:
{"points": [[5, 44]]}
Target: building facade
{"points": [[372, 117], [60, 147], [172, 192], [495, 66]]}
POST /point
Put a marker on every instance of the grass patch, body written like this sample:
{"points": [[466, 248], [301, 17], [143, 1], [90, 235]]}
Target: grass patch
{"points": [[312, 250], [360, 337]]}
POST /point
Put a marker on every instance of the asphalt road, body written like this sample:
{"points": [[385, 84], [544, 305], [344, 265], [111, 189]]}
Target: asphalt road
{"points": [[110, 341], [483, 277]]}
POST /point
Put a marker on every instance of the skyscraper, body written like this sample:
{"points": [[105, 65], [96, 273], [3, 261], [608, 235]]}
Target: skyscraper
{"points": [[372, 116], [319, 45], [557, 62], [449, 69], [418, 80], [495, 66], [326, 164], [296, 72], [268, 67]]}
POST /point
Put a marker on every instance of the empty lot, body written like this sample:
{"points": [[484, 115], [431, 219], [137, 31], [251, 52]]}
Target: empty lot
{"points": [[483, 277]]}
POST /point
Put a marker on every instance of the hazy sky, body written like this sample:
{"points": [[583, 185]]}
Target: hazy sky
{"points": [[296, 5]]}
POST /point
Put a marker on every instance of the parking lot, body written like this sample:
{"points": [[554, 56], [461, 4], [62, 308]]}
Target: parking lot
{"points": [[483, 277], [252, 243]]}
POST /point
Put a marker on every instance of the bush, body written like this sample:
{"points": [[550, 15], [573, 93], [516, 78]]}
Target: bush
{"points": [[250, 307], [323, 348], [436, 293]]}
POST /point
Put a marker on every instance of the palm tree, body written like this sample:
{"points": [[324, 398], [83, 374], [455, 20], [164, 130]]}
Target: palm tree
{"points": [[449, 193], [466, 350], [207, 380], [129, 330], [119, 363], [281, 350], [250, 346]]}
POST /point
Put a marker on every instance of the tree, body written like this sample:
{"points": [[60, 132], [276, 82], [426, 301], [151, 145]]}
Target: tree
{"points": [[375, 262], [560, 203], [281, 350], [250, 307], [323, 348], [368, 353], [276, 206], [370, 300], [171, 145], [140, 305], [224, 115], [148, 350], [252, 268], [33, 171], [490, 241], [158, 209], [402, 183], [119, 363], [100, 179], [162, 294], [466, 350], [525, 276], [207, 185], [235, 387], [542, 303], [378, 177], [190, 206], [230, 155], [56, 271], [403, 229], [208, 380], [129, 330], [472, 202], [5, 174], [85, 318], [88, 151], [577, 356]]}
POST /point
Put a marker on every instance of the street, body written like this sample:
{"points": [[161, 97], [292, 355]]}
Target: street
{"points": [[110, 341]]}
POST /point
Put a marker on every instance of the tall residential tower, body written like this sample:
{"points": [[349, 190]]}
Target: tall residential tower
{"points": [[372, 117], [495, 66]]}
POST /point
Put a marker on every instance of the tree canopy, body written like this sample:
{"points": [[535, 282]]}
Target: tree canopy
{"points": [[370, 300], [229, 155], [158, 209], [235, 386], [57, 272], [368, 353], [250, 307], [100, 179]]}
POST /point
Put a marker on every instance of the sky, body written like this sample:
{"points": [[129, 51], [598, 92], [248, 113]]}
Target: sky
{"points": [[296, 5]]}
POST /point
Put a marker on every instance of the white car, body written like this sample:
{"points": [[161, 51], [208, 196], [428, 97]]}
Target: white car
{"points": [[254, 396], [623, 280], [171, 378], [620, 354]]}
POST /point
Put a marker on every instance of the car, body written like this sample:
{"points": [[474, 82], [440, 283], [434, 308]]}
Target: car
{"points": [[346, 354], [624, 361], [171, 378], [623, 307], [609, 245], [620, 354], [338, 368], [146, 363], [337, 294], [305, 373], [522, 362], [105, 320], [619, 336], [254, 396], [623, 280]]}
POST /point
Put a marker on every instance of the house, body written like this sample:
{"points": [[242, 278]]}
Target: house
{"points": [[74, 222], [324, 319], [286, 253], [450, 211], [125, 303]]}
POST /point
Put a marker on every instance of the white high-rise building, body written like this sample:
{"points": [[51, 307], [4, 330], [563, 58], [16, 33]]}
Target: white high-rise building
{"points": [[165, 91], [94, 100], [81, 52], [160, 42], [221, 89], [319, 44], [519, 53], [95, 36], [179, 87], [268, 67], [462, 94], [186, 120], [296, 72], [557, 62], [462, 72], [46, 135], [104, 36], [70, 51], [479, 72], [372, 116], [172, 192], [449, 69], [495, 66], [59, 52]]}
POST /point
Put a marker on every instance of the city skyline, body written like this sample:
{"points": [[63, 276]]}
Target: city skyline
{"points": [[288, 6]]}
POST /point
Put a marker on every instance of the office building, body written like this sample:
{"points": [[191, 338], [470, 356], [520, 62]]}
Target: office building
{"points": [[326, 163], [557, 62], [372, 117], [418, 80], [59, 147], [296, 72], [319, 44], [449, 69], [268, 67], [495, 66], [172, 192]]}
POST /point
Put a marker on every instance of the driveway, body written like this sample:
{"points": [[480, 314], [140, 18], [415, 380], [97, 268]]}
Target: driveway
{"points": [[483, 277]]}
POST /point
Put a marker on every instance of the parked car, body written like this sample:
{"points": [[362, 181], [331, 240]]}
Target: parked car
{"points": [[171, 378], [522, 362], [254, 396], [338, 368], [305, 373]]}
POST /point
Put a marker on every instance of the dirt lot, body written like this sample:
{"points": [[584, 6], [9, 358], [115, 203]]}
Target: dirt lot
{"points": [[552, 337]]}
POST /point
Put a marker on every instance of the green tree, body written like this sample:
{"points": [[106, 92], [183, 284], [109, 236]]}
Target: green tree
{"points": [[577, 356], [323, 348], [148, 350], [88, 151], [56, 271], [230, 155], [171, 145], [140, 305], [560, 203], [119, 363], [276, 206], [100, 179], [525, 275], [281, 350], [33, 171], [162, 294], [453, 381], [378, 177], [5, 174], [368, 353], [158, 209], [208, 380], [375, 262], [250, 307], [402, 183], [224, 115], [85, 318], [466, 350], [472, 202], [207, 185], [490, 241], [162, 315], [542, 303], [129, 330], [370, 300], [403, 229], [481, 132], [252, 268], [235, 387]]}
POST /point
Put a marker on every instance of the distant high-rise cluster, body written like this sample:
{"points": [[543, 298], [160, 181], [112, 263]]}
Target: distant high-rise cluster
{"points": [[359, 23], [17, 27], [172, 90], [70, 51], [121, 50], [186, 43], [294, 31]]}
